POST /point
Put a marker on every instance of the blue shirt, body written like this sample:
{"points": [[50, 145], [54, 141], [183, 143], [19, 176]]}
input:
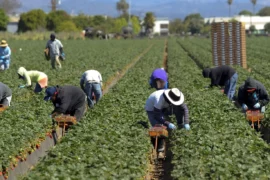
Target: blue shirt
{"points": [[5, 52]]}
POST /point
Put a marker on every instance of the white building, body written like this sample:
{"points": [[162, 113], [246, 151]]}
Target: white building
{"points": [[161, 26], [257, 21]]}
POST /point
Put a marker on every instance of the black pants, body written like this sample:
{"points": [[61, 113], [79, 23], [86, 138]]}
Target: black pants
{"points": [[79, 112]]}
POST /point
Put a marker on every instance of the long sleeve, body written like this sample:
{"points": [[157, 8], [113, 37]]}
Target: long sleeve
{"points": [[27, 79], [7, 53], [186, 114], [159, 116], [63, 105], [264, 98]]}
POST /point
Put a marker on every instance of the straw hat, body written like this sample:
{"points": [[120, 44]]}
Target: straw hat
{"points": [[3, 43], [175, 96]]}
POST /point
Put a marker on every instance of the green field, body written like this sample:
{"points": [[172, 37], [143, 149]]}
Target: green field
{"points": [[109, 142]]}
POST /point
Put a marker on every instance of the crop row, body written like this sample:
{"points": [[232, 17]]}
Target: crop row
{"points": [[25, 123], [221, 144], [110, 143]]}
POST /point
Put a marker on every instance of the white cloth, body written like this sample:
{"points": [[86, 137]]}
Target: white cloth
{"points": [[156, 100], [91, 76], [9, 99]]}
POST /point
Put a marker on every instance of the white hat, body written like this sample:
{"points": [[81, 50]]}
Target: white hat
{"points": [[175, 96]]}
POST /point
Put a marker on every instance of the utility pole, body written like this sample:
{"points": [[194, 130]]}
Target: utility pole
{"points": [[54, 4]]}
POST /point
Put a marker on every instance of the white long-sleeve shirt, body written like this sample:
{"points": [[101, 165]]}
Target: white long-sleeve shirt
{"points": [[92, 76]]}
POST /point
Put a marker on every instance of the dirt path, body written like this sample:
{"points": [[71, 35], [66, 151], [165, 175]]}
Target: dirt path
{"points": [[161, 169]]}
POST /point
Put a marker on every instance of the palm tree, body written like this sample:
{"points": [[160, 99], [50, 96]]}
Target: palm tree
{"points": [[254, 4], [230, 3]]}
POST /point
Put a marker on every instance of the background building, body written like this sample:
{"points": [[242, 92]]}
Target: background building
{"points": [[257, 21], [161, 26]]}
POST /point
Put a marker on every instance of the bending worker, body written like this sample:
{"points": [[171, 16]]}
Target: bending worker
{"points": [[66, 100], [159, 101], [252, 95], [40, 78], [159, 79], [5, 95], [222, 76], [5, 54], [91, 84]]}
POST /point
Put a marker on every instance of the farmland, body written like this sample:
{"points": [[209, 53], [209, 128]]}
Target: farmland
{"points": [[110, 141]]}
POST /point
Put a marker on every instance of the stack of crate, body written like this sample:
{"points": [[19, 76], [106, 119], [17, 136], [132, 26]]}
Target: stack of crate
{"points": [[229, 44]]}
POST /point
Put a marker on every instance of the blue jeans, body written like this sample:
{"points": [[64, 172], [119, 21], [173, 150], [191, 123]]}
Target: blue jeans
{"points": [[230, 86], [92, 88], [4, 64]]}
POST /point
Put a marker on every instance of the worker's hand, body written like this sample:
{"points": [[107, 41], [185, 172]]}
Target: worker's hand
{"points": [[187, 127], [171, 126], [257, 105], [244, 107], [22, 86]]}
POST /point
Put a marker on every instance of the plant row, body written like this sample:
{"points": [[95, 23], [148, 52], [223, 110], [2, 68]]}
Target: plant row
{"points": [[110, 142], [221, 144], [26, 123]]}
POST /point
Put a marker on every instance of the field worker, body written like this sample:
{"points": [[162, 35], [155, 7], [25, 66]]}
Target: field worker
{"points": [[30, 77], [252, 95], [91, 83], [56, 49], [159, 101], [222, 76], [5, 53], [159, 79], [67, 100], [5, 95]]}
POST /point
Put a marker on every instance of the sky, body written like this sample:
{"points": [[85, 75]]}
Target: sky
{"points": [[161, 8]]}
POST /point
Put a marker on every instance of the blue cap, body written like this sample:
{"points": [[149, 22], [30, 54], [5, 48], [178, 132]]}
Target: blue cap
{"points": [[49, 93]]}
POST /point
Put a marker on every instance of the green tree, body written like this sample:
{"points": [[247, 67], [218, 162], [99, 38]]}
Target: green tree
{"points": [[54, 18], [119, 23], [10, 5], [194, 23], [107, 26], [229, 3], [122, 6], [98, 20], [149, 21], [254, 4], [82, 21], [135, 24], [177, 26], [267, 27], [3, 20], [245, 12], [32, 20], [66, 26], [264, 11], [252, 28]]}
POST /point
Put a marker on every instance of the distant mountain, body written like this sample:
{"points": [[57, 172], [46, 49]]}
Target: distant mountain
{"points": [[161, 8]]}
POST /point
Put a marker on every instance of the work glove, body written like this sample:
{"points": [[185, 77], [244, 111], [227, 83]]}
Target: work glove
{"points": [[171, 126], [22, 86], [187, 127], [257, 105], [244, 107]]}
